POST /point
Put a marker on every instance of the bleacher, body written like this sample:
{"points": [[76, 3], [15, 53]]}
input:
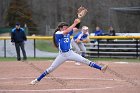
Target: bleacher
{"points": [[114, 48]]}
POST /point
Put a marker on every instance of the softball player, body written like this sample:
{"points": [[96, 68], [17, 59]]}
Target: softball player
{"points": [[78, 40], [62, 40]]}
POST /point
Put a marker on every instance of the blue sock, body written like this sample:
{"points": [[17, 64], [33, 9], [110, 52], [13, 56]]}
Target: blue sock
{"points": [[42, 75], [92, 64]]}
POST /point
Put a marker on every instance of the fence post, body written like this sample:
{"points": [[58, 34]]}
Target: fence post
{"points": [[98, 47], [34, 48], [4, 48]]}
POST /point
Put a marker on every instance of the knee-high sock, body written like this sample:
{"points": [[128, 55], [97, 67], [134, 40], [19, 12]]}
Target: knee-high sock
{"points": [[94, 65], [42, 75]]}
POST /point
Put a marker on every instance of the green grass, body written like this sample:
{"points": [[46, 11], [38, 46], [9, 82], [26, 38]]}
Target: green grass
{"points": [[8, 59], [45, 45]]}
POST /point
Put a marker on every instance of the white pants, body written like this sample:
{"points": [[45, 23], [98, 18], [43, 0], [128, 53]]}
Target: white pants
{"points": [[78, 47], [67, 56]]}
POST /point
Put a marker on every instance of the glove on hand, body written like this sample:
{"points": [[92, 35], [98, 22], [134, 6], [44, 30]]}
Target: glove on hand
{"points": [[82, 12]]}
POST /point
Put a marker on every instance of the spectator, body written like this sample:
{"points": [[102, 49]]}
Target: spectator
{"points": [[98, 31], [17, 38], [111, 31]]}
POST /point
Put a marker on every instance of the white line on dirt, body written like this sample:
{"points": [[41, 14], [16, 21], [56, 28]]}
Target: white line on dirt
{"points": [[121, 62], [66, 78], [51, 90]]}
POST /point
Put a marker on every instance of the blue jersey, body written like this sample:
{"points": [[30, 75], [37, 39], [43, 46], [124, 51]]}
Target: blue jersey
{"points": [[98, 33], [81, 36], [63, 41], [18, 35]]}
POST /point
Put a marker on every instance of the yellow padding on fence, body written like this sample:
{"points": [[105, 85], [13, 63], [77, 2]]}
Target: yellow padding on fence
{"points": [[91, 37], [114, 37]]}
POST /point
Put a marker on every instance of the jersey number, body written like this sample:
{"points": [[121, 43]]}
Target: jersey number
{"points": [[66, 40]]}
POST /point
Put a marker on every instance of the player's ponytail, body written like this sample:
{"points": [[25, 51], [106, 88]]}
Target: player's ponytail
{"points": [[60, 25], [54, 40]]}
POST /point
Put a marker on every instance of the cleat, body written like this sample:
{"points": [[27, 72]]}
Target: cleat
{"points": [[34, 82], [104, 68]]}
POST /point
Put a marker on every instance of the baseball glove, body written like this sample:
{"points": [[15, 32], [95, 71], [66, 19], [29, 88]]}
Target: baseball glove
{"points": [[81, 12]]}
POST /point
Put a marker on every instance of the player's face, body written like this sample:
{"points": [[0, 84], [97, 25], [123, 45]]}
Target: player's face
{"points": [[17, 27], [85, 31], [64, 28], [97, 28], [111, 28]]}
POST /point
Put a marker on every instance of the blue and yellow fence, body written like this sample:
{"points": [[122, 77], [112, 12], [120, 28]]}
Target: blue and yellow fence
{"points": [[34, 38]]}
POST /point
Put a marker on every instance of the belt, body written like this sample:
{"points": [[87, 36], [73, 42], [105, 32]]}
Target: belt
{"points": [[65, 50]]}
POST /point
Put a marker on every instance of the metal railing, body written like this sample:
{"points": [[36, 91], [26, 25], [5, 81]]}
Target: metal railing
{"points": [[34, 38]]}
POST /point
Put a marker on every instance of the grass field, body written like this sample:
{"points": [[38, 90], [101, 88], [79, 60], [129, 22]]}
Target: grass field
{"points": [[45, 45]]}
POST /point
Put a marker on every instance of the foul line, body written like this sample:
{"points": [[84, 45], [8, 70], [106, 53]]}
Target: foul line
{"points": [[66, 78], [54, 90]]}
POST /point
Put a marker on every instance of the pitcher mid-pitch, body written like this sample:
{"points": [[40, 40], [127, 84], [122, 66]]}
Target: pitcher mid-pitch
{"points": [[62, 41]]}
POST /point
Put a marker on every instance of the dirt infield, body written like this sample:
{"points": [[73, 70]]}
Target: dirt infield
{"points": [[68, 78]]}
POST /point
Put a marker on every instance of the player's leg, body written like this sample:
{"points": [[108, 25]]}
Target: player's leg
{"points": [[56, 63], [79, 58], [83, 49], [75, 46], [23, 51], [77, 49], [17, 46]]}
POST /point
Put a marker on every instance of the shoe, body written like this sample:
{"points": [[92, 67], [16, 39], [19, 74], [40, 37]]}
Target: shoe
{"points": [[34, 82], [77, 64], [18, 59], [24, 60], [104, 68]]}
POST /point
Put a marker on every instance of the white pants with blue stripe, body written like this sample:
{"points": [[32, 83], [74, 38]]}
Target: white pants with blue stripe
{"points": [[67, 56]]}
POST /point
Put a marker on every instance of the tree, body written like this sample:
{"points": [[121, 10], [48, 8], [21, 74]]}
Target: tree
{"points": [[20, 12]]}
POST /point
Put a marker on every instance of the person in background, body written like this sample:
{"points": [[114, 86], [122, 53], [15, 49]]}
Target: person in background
{"points": [[18, 37], [111, 31], [98, 31], [78, 41]]}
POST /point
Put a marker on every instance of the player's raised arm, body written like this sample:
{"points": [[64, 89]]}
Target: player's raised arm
{"points": [[67, 30]]}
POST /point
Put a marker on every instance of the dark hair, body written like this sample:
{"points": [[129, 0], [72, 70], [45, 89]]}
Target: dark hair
{"points": [[60, 25]]}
